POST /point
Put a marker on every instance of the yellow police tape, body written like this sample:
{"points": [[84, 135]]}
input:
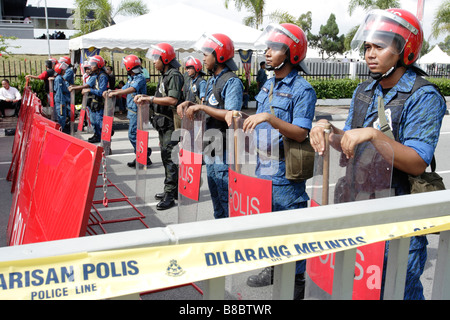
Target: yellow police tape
{"points": [[100, 275]]}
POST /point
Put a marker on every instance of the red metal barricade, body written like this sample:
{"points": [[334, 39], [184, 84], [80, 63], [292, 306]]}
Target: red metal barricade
{"points": [[30, 105], [56, 186]]}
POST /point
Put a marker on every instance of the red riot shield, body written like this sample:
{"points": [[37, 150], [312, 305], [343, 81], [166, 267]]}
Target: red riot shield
{"points": [[143, 126], [51, 102], [107, 124], [84, 114], [337, 180], [72, 113], [248, 193], [107, 127], [190, 160]]}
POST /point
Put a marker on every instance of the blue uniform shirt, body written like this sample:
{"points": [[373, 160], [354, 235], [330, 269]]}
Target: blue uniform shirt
{"points": [[232, 92], [139, 84], [293, 101], [102, 84], [69, 76], [62, 93], [200, 84], [421, 117]]}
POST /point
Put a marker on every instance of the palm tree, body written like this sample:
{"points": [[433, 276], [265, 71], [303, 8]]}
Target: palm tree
{"points": [[304, 21], [104, 13], [368, 4], [256, 7], [441, 22]]}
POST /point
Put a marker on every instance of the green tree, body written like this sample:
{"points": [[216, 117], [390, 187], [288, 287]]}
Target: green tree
{"points": [[328, 41], [256, 7], [441, 21], [445, 45], [104, 13], [368, 4], [425, 48], [304, 21], [349, 37], [4, 45]]}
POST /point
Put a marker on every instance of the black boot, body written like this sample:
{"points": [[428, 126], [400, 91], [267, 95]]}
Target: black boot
{"points": [[167, 202], [264, 278], [132, 164], [94, 139], [160, 196]]}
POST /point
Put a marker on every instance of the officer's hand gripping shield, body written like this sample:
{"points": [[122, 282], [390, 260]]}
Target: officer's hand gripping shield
{"points": [[337, 180]]}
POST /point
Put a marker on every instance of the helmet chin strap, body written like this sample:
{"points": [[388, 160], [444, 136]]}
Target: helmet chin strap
{"points": [[280, 66], [380, 76]]}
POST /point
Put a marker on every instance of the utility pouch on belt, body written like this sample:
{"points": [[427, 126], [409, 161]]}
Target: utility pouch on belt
{"points": [[299, 158], [95, 105], [425, 182]]}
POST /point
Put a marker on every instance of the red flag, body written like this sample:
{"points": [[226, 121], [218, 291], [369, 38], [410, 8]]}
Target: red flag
{"points": [[420, 6]]}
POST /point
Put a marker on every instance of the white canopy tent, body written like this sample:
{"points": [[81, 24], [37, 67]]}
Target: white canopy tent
{"points": [[436, 55], [180, 25]]}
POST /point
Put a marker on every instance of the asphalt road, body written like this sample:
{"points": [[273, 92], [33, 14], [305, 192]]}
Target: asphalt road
{"points": [[125, 179]]}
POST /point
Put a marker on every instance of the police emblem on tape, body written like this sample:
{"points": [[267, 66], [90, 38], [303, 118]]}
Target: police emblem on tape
{"points": [[174, 269]]}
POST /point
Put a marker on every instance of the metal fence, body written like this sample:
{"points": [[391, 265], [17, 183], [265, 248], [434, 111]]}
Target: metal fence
{"points": [[11, 69]]}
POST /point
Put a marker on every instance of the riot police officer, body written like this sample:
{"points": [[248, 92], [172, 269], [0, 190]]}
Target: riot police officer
{"points": [[195, 88], [224, 92], [136, 85], [168, 96], [95, 94]]}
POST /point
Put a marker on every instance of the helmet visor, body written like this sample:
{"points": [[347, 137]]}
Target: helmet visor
{"points": [[207, 44], [384, 29], [190, 61], [94, 62], [277, 38], [154, 53], [63, 66]]}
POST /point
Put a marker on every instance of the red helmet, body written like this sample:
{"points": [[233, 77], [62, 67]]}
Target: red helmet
{"points": [[131, 61], [396, 29], [164, 51], [97, 61], [193, 62], [286, 36], [221, 44], [65, 59], [51, 62], [61, 66]]}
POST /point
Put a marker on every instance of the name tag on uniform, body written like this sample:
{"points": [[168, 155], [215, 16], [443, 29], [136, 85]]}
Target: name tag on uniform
{"points": [[284, 95]]}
